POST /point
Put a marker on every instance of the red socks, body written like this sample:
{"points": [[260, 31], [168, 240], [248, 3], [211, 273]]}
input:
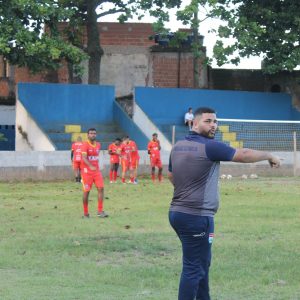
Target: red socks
{"points": [[85, 208], [100, 205]]}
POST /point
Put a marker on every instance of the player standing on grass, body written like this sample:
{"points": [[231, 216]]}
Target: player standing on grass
{"points": [[76, 158], [194, 172], [91, 173], [155, 161], [128, 146], [134, 164], [114, 150]]}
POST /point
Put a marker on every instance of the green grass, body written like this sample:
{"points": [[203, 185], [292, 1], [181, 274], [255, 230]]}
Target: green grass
{"points": [[47, 251]]}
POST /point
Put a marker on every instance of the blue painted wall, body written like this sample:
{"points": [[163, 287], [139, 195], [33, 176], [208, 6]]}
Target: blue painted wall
{"points": [[168, 106], [8, 132], [67, 103], [123, 120]]}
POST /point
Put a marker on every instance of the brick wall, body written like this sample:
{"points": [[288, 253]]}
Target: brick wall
{"points": [[128, 34], [171, 69], [4, 87], [161, 68]]}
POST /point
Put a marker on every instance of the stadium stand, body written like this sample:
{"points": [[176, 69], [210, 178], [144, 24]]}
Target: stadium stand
{"points": [[62, 135], [7, 137], [257, 135]]}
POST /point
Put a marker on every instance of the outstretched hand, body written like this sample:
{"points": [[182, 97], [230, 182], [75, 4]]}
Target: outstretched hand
{"points": [[274, 162]]}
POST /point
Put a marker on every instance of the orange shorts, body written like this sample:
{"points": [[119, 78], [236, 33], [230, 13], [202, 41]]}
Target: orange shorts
{"points": [[89, 178], [134, 164], [125, 163], [76, 165], [156, 162]]}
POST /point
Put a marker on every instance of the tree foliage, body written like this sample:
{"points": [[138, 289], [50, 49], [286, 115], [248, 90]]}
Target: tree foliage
{"points": [[89, 12], [23, 40], [268, 28]]}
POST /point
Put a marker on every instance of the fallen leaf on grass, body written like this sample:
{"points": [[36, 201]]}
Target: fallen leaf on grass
{"points": [[127, 226]]}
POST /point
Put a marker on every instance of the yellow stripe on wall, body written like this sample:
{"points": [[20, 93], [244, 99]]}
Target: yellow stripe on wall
{"points": [[72, 128], [224, 128]]}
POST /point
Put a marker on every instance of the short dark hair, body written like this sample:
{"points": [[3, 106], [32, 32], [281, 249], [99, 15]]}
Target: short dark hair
{"points": [[125, 137], [189, 108], [202, 110], [91, 129], [154, 134], [118, 139]]}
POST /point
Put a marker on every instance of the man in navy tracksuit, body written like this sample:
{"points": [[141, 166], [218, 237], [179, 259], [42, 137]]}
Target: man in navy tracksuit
{"points": [[194, 172]]}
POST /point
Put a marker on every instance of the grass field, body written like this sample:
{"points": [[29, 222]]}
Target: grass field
{"points": [[47, 251]]}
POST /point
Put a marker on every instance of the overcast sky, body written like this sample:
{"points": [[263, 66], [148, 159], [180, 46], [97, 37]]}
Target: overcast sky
{"points": [[209, 38]]}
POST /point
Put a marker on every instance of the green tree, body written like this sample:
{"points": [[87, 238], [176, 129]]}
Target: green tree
{"points": [[268, 28], [23, 40], [190, 15], [89, 12]]}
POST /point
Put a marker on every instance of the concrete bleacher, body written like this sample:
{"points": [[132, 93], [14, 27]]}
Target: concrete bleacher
{"points": [[62, 112], [8, 137], [259, 136], [62, 136], [264, 136]]}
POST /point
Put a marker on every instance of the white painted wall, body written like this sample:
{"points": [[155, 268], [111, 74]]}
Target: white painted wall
{"points": [[56, 165], [36, 138], [7, 115], [124, 67], [148, 128]]}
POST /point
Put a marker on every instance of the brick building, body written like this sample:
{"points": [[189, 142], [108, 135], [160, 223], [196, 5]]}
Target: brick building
{"points": [[130, 59]]}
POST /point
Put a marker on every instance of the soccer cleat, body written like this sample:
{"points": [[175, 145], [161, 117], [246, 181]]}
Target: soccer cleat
{"points": [[102, 214], [111, 182], [86, 216]]}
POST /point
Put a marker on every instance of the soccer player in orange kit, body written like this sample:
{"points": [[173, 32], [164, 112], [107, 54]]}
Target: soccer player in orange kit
{"points": [[91, 173], [76, 158], [134, 161], [114, 150], [129, 159], [155, 161]]}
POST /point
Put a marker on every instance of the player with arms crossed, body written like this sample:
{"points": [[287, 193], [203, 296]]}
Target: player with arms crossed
{"points": [[114, 150], [76, 158], [194, 172], [91, 173], [155, 161]]}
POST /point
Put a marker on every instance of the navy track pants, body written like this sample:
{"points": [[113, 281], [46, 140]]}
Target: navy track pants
{"points": [[196, 235]]}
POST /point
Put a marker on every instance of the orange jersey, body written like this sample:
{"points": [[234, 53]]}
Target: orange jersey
{"points": [[134, 151], [76, 149], [92, 155], [126, 149], [154, 149], [114, 152]]}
